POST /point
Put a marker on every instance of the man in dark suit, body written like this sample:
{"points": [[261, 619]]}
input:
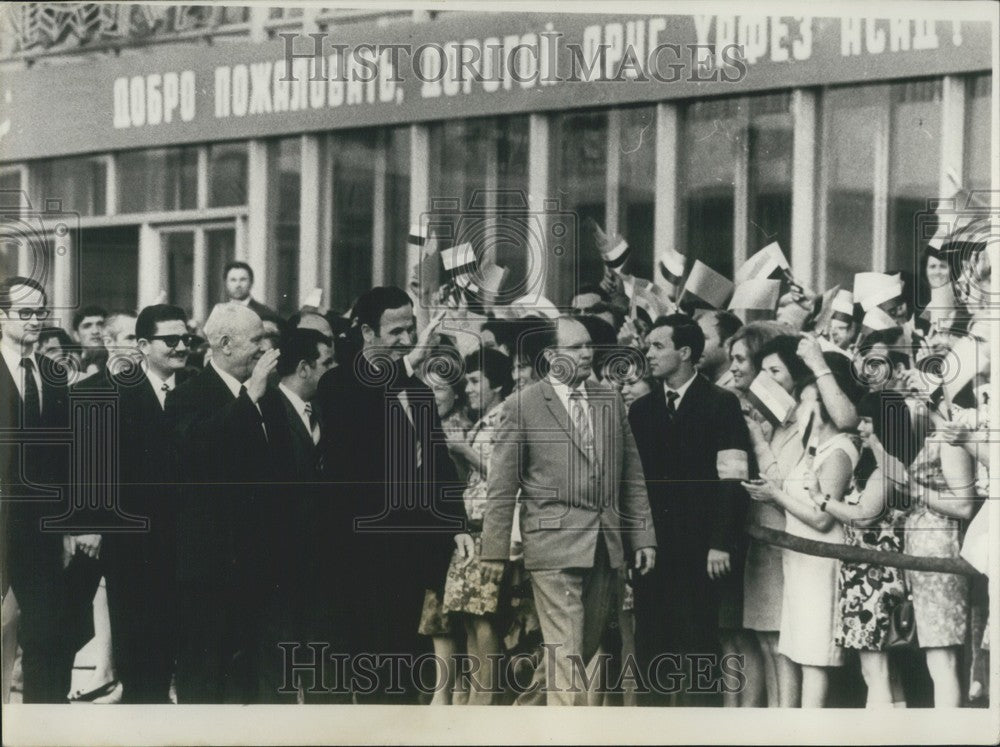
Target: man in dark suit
{"points": [[139, 562], [301, 568], [387, 461], [693, 443], [34, 474], [222, 419], [565, 445], [239, 283]]}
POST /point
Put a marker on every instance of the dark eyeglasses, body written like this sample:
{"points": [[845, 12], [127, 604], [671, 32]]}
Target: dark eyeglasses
{"points": [[171, 341], [26, 313]]}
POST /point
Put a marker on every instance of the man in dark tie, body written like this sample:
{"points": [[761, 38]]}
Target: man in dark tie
{"points": [[222, 418], [139, 564], [693, 443], [387, 461], [301, 575], [565, 445], [34, 408]]}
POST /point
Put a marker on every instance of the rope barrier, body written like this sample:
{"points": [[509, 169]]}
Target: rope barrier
{"points": [[853, 554]]}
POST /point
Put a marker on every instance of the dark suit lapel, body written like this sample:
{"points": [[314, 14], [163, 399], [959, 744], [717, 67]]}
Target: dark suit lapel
{"points": [[10, 402], [692, 397], [560, 414], [299, 431]]}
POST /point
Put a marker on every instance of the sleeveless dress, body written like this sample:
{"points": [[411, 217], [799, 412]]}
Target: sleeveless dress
{"points": [[809, 603], [869, 593], [763, 574], [940, 600], [465, 588]]}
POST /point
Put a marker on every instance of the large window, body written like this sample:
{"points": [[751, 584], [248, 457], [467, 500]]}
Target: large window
{"points": [[353, 158], [978, 156], [479, 190], [397, 204], [80, 184], [227, 174], [158, 179], [109, 266], [579, 151], [914, 167], [769, 212], [636, 188], [711, 141], [289, 157], [854, 119]]}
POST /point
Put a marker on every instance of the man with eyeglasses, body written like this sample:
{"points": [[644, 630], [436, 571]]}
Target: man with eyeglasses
{"points": [[224, 419], [139, 565], [34, 398]]}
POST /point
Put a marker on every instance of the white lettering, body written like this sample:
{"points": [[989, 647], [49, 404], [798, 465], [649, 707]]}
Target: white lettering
{"points": [[189, 92], [779, 36], [260, 87], [171, 96], [222, 91], [874, 37], [802, 48], [137, 103], [850, 37], [154, 99], [241, 90]]}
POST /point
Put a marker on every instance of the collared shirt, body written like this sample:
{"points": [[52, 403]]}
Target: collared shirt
{"points": [[12, 357], [681, 390], [234, 386], [157, 383], [303, 409], [562, 392]]}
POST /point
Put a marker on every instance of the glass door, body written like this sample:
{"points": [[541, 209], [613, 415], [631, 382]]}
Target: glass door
{"points": [[193, 258]]}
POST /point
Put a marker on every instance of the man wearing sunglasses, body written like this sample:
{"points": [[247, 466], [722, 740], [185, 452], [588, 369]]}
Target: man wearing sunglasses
{"points": [[139, 565], [34, 398]]}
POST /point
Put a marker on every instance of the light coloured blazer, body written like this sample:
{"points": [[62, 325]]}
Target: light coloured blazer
{"points": [[567, 496]]}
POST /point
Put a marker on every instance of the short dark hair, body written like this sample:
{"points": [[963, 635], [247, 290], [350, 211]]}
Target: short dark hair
{"points": [[237, 265], [786, 348], [91, 310], [370, 306], [495, 365], [887, 337], [8, 285], [602, 307], [297, 345], [726, 323], [754, 336], [150, 317], [46, 333], [684, 332]]}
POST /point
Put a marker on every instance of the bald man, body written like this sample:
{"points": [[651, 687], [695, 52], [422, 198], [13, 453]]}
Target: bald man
{"points": [[223, 419]]}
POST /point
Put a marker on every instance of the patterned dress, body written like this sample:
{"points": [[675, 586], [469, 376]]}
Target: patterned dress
{"points": [[868, 593], [434, 620], [940, 600], [465, 589]]}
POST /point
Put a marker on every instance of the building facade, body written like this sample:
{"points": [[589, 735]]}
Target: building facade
{"points": [[143, 147]]}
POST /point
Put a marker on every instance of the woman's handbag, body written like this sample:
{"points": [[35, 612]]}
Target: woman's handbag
{"points": [[902, 632]]}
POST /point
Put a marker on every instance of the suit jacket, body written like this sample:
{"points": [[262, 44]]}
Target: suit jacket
{"points": [[685, 462], [34, 474], [148, 468], [228, 467], [566, 498], [393, 522]]}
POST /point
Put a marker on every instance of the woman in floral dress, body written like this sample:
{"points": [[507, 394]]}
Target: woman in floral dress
{"points": [[466, 592]]}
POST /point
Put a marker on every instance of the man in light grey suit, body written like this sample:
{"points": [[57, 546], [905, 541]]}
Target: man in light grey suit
{"points": [[566, 445]]}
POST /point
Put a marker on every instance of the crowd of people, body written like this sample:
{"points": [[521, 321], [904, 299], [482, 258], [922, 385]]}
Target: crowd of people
{"points": [[563, 507]]}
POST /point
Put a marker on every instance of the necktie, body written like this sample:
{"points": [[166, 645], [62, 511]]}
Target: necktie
{"points": [[260, 416], [672, 398], [313, 422], [32, 400], [581, 420]]}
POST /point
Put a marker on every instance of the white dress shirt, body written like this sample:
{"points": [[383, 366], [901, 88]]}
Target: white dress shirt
{"points": [[12, 357], [234, 386], [303, 409], [158, 385], [681, 390]]}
